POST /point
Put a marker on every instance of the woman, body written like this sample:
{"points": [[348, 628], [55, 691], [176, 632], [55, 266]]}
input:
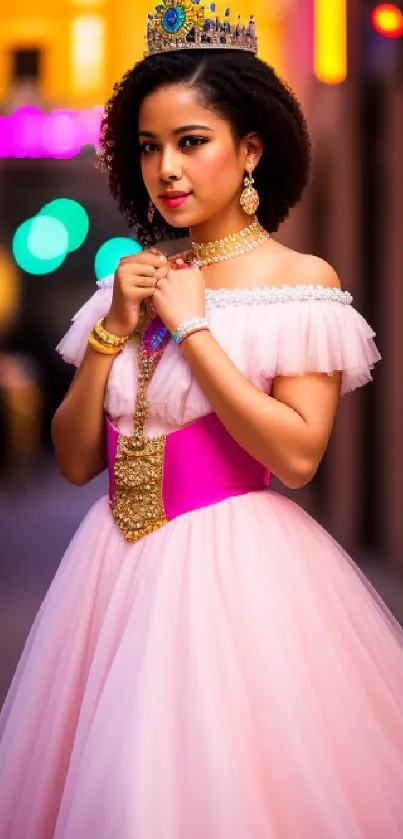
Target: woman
{"points": [[208, 663]]}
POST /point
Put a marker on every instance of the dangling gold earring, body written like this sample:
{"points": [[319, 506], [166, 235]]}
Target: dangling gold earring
{"points": [[151, 211], [249, 198]]}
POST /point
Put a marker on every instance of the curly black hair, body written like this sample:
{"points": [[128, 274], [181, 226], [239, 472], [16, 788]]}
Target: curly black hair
{"points": [[235, 85]]}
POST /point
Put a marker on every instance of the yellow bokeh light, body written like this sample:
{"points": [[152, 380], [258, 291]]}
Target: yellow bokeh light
{"points": [[330, 41], [9, 289], [87, 43]]}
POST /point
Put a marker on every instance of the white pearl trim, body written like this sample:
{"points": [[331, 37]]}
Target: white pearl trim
{"points": [[218, 297], [274, 294]]}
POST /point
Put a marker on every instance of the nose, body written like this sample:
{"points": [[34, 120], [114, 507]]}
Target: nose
{"points": [[170, 169]]}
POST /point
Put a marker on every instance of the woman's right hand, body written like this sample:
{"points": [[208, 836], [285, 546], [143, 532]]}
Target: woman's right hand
{"points": [[135, 281]]}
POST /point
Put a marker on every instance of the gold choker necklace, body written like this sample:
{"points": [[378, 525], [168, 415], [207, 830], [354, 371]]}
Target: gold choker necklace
{"points": [[235, 244]]}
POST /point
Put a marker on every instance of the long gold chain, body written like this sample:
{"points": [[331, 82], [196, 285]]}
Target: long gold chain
{"points": [[149, 355], [235, 244], [138, 507]]}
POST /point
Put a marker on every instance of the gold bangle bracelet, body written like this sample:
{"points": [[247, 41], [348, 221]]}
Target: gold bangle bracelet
{"points": [[102, 348], [108, 338]]}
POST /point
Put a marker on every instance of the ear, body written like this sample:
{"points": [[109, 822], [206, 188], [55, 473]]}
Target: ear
{"points": [[252, 147]]}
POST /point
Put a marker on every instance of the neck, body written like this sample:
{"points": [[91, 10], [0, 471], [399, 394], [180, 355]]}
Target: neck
{"points": [[219, 226]]}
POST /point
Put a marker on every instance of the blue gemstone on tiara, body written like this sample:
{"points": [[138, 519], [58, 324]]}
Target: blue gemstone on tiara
{"points": [[173, 19]]}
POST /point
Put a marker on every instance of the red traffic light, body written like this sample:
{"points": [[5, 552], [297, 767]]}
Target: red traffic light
{"points": [[387, 20]]}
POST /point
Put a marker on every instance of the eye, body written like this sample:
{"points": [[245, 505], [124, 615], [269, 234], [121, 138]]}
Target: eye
{"points": [[192, 141], [147, 148]]}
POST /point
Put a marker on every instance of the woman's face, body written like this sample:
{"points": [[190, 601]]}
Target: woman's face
{"points": [[191, 166]]}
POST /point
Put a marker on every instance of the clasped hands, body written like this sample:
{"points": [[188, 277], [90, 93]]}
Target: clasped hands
{"points": [[176, 293]]}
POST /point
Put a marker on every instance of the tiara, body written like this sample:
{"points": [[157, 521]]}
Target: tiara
{"points": [[187, 24]]}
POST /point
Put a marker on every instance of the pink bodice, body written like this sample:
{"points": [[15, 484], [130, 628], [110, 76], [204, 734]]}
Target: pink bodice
{"points": [[202, 465]]}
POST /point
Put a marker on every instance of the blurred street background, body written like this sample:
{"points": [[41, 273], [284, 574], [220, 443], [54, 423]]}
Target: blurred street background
{"points": [[60, 231]]}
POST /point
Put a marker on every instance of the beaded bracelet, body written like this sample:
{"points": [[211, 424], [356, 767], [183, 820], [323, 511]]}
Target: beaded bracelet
{"points": [[189, 327]]}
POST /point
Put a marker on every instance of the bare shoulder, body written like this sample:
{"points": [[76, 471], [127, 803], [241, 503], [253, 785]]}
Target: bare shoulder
{"points": [[307, 269], [313, 270], [294, 268]]}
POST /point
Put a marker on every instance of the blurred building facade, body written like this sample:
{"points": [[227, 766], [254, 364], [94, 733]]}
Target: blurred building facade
{"points": [[69, 55], [353, 217]]}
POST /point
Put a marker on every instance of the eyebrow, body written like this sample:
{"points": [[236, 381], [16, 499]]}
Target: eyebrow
{"points": [[177, 131]]}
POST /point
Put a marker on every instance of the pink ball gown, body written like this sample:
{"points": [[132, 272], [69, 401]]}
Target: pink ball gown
{"points": [[231, 675]]}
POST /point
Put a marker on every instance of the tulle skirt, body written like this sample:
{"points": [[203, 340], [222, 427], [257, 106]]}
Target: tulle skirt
{"points": [[231, 676]]}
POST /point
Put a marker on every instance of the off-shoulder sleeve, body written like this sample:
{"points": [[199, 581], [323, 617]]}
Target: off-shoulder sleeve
{"points": [[72, 346], [293, 331], [322, 333]]}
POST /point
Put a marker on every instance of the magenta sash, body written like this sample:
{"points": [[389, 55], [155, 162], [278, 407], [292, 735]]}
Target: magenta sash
{"points": [[202, 465]]}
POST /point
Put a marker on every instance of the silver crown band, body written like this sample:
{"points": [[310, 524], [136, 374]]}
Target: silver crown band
{"points": [[186, 24]]}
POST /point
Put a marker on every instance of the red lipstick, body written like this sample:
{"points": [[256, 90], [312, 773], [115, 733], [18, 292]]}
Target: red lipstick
{"points": [[174, 198]]}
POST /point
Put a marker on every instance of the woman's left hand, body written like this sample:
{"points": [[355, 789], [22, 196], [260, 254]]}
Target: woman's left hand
{"points": [[180, 297]]}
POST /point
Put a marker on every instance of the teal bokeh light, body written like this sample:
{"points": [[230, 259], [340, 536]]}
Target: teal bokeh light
{"points": [[47, 238], [27, 245], [108, 256], [74, 218]]}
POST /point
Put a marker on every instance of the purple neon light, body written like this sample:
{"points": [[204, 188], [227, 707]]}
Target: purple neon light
{"points": [[61, 134]]}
